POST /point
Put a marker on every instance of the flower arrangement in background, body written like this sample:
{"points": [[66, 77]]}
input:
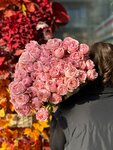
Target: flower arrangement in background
{"points": [[46, 73], [19, 133], [20, 22], [25, 20]]}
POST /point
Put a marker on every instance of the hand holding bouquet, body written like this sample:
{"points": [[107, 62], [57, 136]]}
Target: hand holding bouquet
{"points": [[46, 73]]}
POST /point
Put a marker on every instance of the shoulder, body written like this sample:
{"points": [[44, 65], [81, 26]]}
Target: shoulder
{"points": [[87, 92]]}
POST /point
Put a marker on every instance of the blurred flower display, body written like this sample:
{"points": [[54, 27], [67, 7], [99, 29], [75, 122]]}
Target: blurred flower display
{"points": [[20, 22], [25, 20]]}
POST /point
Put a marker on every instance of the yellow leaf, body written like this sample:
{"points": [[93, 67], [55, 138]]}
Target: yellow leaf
{"points": [[4, 146], [35, 135], [4, 123], [37, 126], [24, 9], [44, 124], [2, 112], [27, 131]]}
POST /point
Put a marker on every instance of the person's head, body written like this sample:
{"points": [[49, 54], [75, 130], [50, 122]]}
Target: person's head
{"points": [[102, 55]]}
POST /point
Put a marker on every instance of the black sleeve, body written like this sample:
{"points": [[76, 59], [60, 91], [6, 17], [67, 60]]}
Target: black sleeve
{"points": [[87, 92], [57, 137]]}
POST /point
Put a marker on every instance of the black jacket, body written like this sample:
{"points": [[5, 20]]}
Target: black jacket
{"points": [[84, 121]]}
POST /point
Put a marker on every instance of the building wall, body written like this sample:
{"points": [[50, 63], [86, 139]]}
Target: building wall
{"points": [[85, 16], [79, 24], [104, 29]]}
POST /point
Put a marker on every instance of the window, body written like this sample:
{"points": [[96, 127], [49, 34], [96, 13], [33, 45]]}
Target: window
{"points": [[78, 17]]}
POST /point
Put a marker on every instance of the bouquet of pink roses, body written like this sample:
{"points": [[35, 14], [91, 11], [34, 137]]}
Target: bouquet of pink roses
{"points": [[46, 73]]}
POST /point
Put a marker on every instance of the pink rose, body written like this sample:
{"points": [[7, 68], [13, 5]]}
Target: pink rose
{"points": [[82, 76], [27, 81], [76, 64], [82, 65], [29, 68], [17, 87], [33, 48], [59, 52], [43, 95], [32, 45], [46, 67], [62, 89], [26, 67], [34, 75], [38, 84], [13, 100], [60, 80], [47, 76], [44, 59], [54, 61], [23, 110], [55, 98], [53, 43], [72, 84], [32, 91], [71, 72], [54, 72], [26, 58], [51, 86], [70, 44], [84, 48], [89, 64], [38, 66], [36, 103], [22, 99], [43, 76], [61, 65], [35, 52], [44, 47], [76, 56], [92, 74], [46, 52], [20, 74], [42, 114]]}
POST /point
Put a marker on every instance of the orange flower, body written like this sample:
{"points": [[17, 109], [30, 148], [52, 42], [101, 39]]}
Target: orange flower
{"points": [[9, 13], [31, 7]]}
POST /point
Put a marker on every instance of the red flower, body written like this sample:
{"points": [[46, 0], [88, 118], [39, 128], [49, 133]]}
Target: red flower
{"points": [[61, 16]]}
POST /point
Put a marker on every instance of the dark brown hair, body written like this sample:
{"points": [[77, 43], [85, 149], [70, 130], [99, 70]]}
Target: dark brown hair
{"points": [[102, 55]]}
